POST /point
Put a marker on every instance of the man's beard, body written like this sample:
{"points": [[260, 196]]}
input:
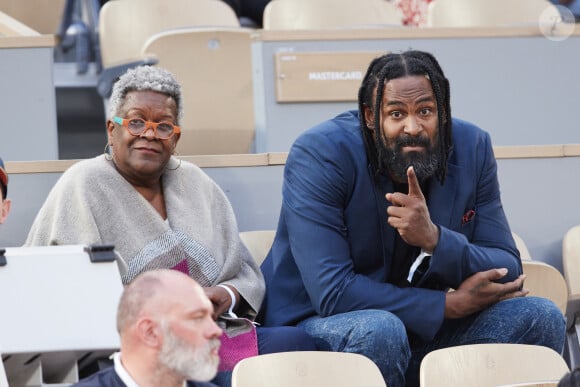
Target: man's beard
{"points": [[396, 162], [198, 364]]}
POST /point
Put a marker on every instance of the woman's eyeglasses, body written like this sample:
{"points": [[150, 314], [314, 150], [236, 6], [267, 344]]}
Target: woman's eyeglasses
{"points": [[138, 126]]}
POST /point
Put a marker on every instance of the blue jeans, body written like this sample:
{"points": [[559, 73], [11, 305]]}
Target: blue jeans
{"points": [[382, 337], [272, 340]]}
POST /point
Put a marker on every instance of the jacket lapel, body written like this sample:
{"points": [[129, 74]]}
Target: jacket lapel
{"points": [[387, 232]]}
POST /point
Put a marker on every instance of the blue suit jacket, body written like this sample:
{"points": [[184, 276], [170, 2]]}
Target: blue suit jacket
{"points": [[333, 247], [108, 378]]}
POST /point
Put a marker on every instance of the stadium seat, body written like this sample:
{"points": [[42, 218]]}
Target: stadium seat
{"points": [[571, 264], [491, 365], [544, 280], [214, 68], [320, 14], [521, 245], [490, 13], [320, 369], [43, 16], [122, 38], [258, 242], [125, 25]]}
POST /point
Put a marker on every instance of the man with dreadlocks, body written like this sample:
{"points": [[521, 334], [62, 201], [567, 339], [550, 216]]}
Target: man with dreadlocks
{"points": [[386, 209]]}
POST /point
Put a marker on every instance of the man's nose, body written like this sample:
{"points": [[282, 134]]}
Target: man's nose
{"points": [[412, 126], [213, 330]]}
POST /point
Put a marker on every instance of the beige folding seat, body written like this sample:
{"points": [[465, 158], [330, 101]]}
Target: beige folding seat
{"points": [[214, 68], [490, 13], [258, 242], [304, 368], [321, 14], [488, 365]]}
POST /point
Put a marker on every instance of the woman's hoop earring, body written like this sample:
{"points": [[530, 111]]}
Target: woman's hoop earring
{"points": [[108, 152]]}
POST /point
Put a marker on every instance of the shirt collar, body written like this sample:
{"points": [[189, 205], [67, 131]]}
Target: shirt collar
{"points": [[124, 375], [122, 372]]}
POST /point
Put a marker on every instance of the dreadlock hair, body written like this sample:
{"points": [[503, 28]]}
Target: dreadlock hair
{"points": [[393, 66]]}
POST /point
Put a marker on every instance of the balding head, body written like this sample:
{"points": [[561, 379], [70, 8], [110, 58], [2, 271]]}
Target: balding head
{"points": [[166, 327], [153, 292]]}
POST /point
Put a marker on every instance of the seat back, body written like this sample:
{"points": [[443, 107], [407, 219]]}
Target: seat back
{"points": [[571, 264], [320, 14], [43, 16], [544, 280], [490, 365], [571, 260], [547, 383], [125, 25], [521, 245], [258, 242], [461, 13], [303, 368], [214, 68]]}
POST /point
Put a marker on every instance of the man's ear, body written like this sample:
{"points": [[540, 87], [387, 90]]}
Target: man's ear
{"points": [[369, 117], [149, 332], [5, 209]]}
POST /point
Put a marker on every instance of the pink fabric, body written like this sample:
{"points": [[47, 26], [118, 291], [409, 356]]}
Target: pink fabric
{"points": [[234, 349], [414, 11], [182, 267]]}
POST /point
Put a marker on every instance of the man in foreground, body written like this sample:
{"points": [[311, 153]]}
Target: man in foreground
{"points": [[168, 336]]}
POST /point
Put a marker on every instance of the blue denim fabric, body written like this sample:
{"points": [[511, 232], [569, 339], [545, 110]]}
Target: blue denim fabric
{"points": [[381, 336], [377, 334]]}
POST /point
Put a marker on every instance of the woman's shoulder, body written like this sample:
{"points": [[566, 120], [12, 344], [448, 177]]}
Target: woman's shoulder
{"points": [[87, 169]]}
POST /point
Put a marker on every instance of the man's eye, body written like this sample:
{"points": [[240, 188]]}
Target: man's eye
{"points": [[396, 114]]}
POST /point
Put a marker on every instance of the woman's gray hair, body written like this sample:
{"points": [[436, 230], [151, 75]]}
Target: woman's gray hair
{"points": [[145, 78]]}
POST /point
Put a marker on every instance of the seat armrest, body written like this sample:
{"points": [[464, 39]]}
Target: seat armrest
{"points": [[110, 75]]}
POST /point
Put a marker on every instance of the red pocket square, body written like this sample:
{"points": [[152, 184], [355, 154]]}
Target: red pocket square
{"points": [[467, 217]]}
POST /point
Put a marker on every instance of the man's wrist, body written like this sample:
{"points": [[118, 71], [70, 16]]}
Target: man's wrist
{"points": [[430, 247]]}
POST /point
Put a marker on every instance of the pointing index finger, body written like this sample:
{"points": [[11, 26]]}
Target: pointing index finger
{"points": [[414, 187]]}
